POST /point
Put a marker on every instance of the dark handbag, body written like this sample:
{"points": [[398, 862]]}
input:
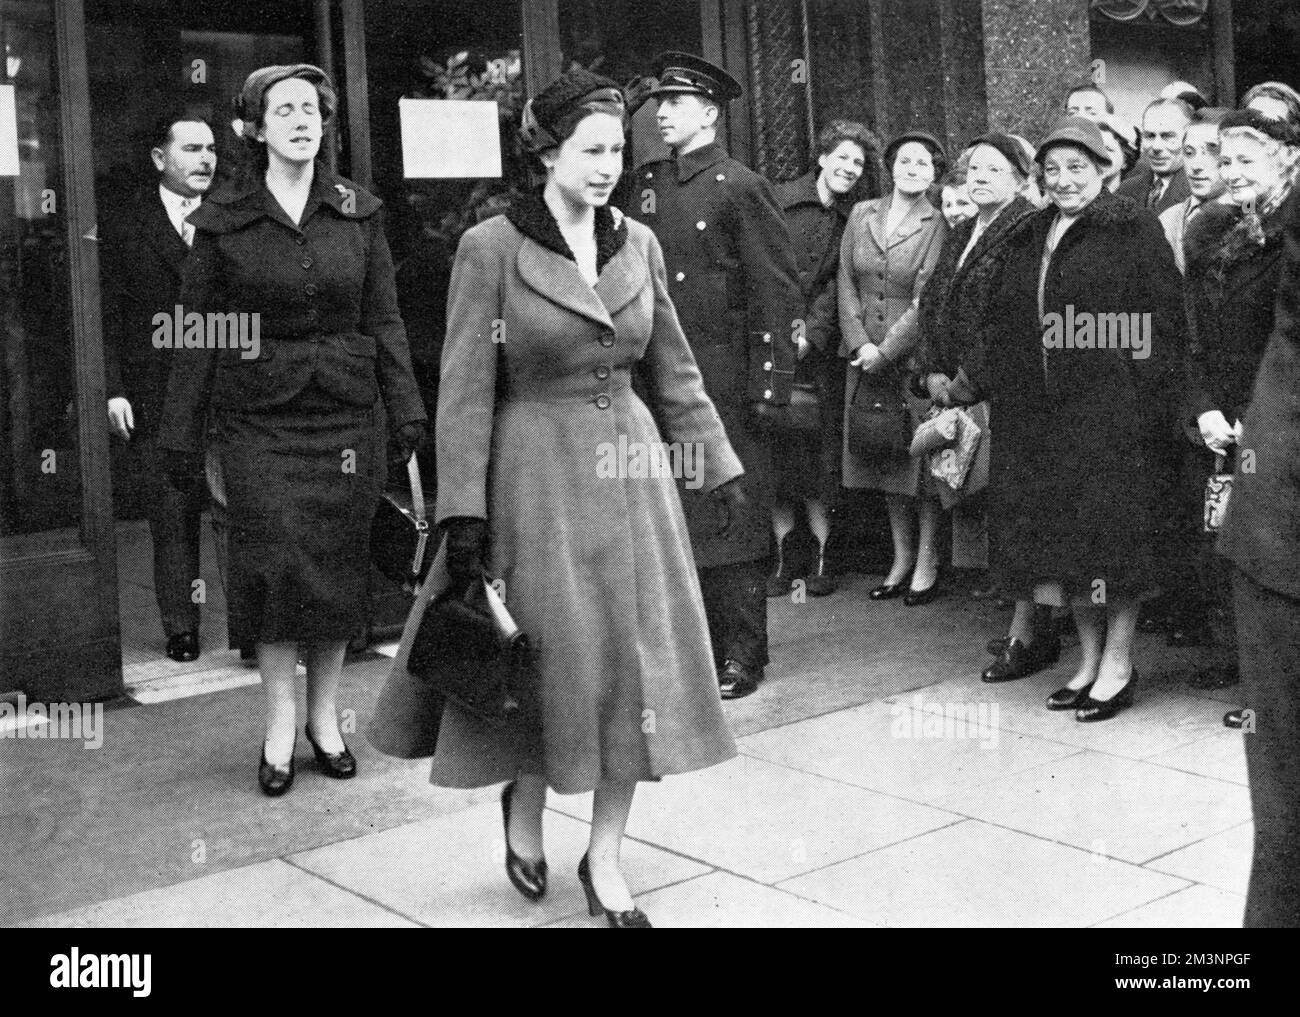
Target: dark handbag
{"points": [[878, 424], [470, 650], [399, 533]]}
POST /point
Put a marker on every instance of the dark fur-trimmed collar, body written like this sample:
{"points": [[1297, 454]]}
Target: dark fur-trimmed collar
{"points": [[1107, 209], [1205, 242], [533, 219]]}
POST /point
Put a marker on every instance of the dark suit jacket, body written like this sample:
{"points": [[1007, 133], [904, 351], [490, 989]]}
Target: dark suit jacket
{"points": [[141, 258], [1138, 186], [327, 303], [1262, 531]]}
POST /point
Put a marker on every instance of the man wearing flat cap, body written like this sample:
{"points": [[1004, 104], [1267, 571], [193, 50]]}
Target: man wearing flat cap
{"points": [[732, 279]]}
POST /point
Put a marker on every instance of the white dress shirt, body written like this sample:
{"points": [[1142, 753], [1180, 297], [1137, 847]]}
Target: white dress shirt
{"points": [[177, 209]]}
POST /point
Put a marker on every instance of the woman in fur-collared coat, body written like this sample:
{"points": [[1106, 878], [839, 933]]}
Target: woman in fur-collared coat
{"points": [[551, 307]]}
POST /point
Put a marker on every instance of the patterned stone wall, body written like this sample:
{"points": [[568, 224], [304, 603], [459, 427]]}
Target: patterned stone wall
{"points": [[778, 87]]}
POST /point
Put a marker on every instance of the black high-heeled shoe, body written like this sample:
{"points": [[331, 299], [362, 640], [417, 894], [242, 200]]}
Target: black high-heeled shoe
{"points": [[1068, 698], [1020, 661], [276, 780], [782, 577], [918, 598], [888, 591], [821, 582], [1103, 709], [634, 919], [339, 765], [529, 878]]}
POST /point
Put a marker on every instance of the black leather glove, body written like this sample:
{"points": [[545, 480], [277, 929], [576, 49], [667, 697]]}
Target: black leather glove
{"points": [[637, 92], [735, 503], [182, 468], [466, 547], [407, 440]]}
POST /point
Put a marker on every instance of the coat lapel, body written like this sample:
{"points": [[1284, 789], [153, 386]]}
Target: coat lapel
{"points": [[162, 237], [557, 279], [624, 276], [876, 221], [917, 216]]}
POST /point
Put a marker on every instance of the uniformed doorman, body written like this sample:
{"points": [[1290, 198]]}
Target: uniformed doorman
{"points": [[732, 278]]}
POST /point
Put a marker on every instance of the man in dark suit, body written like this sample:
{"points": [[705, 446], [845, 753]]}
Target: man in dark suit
{"points": [[733, 281], [143, 246], [1161, 182]]}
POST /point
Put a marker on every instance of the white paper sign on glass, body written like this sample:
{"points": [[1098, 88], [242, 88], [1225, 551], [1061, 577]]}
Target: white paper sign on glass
{"points": [[8, 132], [449, 138]]}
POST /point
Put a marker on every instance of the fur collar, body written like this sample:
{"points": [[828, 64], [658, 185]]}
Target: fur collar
{"points": [[533, 219], [1217, 237], [1107, 210]]}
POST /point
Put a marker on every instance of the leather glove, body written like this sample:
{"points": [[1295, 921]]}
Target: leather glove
{"points": [[182, 468], [637, 92], [735, 503], [407, 440], [466, 547]]}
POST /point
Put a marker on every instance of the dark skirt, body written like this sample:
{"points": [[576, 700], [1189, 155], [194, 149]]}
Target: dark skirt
{"points": [[301, 488]]}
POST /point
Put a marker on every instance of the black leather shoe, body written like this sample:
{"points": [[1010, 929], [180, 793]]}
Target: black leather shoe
{"points": [[634, 919], [888, 591], [1103, 709], [339, 765], [919, 598], [1235, 719], [820, 582], [737, 681], [778, 583], [996, 646], [183, 647], [276, 780], [1068, 698], [529, 878], [1020, 661]]}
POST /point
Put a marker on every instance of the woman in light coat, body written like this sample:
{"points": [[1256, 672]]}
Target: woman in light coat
{"points": [[551, 307], [890, 247]]}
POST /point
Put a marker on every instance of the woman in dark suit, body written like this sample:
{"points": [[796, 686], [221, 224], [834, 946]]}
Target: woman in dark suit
{"points": [[594, 554], [889, 249], [1083, 410], [1234, 261], [298, 253], [816, 207], [953, 315]]}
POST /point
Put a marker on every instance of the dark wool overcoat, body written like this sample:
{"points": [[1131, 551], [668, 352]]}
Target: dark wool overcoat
{"points": [[880, 283], [1082, 470], [1261, 534], [294, 425], [731, 277], [597, 565]]}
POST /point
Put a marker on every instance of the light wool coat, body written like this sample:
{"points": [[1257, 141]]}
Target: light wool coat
{"points": [[597, 569]]}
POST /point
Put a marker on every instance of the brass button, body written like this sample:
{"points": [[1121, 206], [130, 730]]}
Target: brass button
{"points": [[680, 276], [767, 393], [602, 372], [602, 401], [700, 225], [721, 176], [767, 365], [767, 337]]}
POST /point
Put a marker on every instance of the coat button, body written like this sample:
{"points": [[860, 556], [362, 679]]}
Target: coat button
{"points": [[602, 372], [649, 176], [720, 177], [602, 401], [300, 240], [701, 225], [680, 276], [306, 262], [767, 365], [767, 337], [767, 393], [606, 340], [310, 289]]}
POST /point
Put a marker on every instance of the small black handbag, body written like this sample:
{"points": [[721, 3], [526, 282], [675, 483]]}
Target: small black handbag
{"points": [[878, 424], [399, 533], [470, 650]]}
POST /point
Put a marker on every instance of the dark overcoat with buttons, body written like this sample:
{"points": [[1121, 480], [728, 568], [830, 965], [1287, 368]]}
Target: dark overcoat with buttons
{"points": [[295, 424], [732, 278], [539, 432]]}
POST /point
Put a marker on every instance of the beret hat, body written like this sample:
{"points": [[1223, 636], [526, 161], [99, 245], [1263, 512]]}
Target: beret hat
{"points": [[562, 96], [248, 104]]}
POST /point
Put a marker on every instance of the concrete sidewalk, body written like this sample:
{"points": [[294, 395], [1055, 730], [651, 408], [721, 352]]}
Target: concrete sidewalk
{"points": [[851, 804]]}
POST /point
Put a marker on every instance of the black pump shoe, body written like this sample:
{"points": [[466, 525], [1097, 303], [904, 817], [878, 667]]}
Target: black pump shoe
{"points": [[529, 878], [1020, 661], [821, 583], [918, 598], [276, 780], [888, 591], [339, 765], [1098, 709], [634, 919], [1068, 698]]}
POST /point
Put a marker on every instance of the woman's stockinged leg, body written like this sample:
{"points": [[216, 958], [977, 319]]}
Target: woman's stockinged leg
{"points": [[324, 669], [527, 804], [902, 513], [1089, 620], [1117, 658], [926, 573], [278, 663], [610, 808]]}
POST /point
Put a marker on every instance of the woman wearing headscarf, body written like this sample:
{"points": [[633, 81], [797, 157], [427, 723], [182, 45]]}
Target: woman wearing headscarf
{"points": [[890, 247], [816, 207], [595, 558], [953, 317], [1080, 361], [1234, 264], [302, 251]]}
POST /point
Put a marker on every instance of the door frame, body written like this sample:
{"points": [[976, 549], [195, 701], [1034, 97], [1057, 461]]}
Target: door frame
{"points": [[59, 609]]}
